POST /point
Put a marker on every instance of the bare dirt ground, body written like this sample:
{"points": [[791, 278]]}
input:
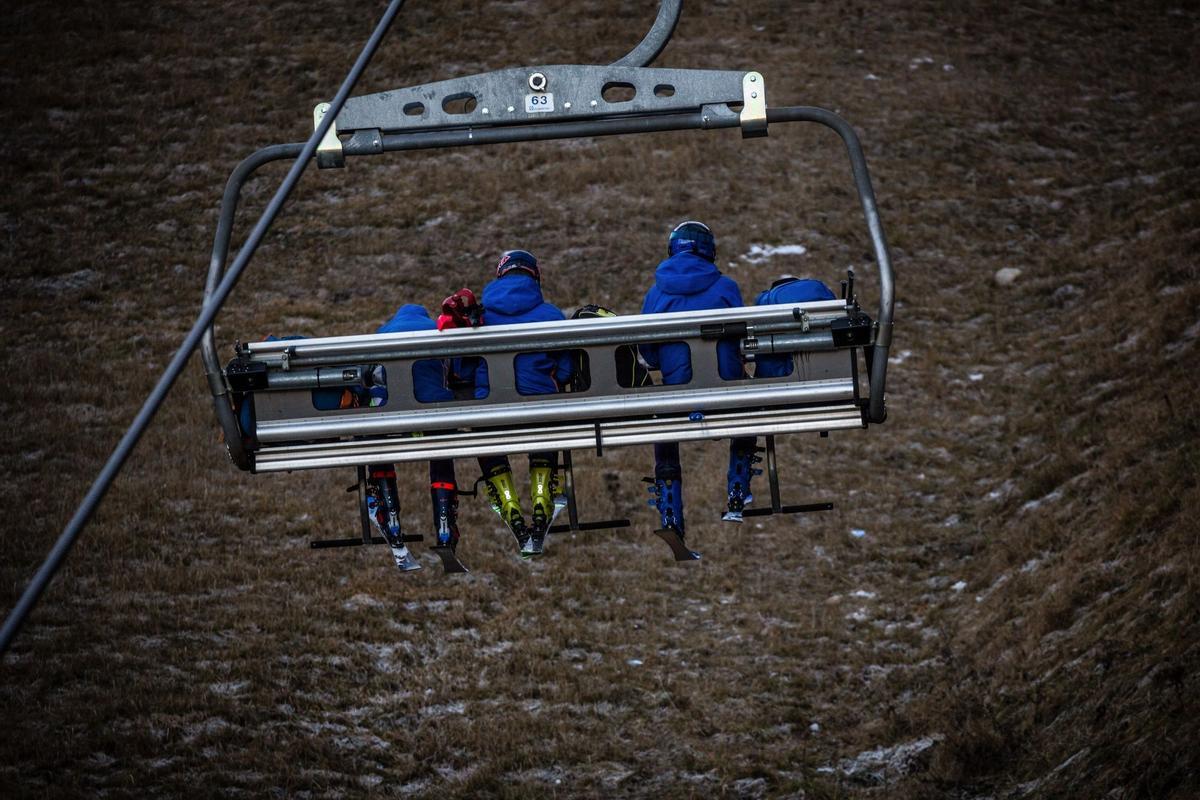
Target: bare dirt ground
{"points": [[1020, 618]]}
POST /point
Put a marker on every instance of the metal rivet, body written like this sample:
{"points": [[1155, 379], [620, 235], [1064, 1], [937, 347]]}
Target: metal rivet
{"points": [[593, 104], [485, 111], [510, 109], [566, 105], [754, 94], [753, 78]]}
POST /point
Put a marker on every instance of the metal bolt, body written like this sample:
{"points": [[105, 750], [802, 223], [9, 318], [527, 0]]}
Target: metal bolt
{"points": [[510, 109], [566, 105], [593, 104], [754, 94], [485, 111], [753, 78]]}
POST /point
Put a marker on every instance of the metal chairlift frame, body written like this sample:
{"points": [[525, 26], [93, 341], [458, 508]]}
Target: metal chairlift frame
{"points": [[523, 104]]}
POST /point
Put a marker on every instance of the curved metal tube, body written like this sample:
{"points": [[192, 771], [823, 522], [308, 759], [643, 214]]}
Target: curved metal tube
{"points": [[660, 33], [876, 411], [216, 269]]}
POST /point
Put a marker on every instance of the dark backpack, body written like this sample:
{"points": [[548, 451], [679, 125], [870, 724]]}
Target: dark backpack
{"points": [[630, 372]]}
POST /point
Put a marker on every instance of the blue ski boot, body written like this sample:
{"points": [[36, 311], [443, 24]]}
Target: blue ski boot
{"points": [[737, 480], [383, 509], [668, 499], [444, 497]]}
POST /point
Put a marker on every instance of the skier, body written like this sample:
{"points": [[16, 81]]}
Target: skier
{"points": [[688, 280], [515, 296], [787, 289], [383, 500]]}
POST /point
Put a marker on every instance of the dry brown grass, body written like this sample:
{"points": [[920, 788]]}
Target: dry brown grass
{"points": [[194, 646]]}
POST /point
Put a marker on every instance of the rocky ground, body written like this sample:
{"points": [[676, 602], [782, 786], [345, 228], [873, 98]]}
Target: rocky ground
{"points": [[1003, 603]]}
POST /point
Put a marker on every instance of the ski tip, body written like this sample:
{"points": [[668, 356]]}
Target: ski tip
{"points": [[675, 542], [450, 563]]}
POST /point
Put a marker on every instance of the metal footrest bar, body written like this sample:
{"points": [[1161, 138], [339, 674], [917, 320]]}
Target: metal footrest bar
{"points": [[599, 525], [322, 544], [800, 509]]}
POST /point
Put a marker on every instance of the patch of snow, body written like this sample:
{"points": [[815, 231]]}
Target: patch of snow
{"points": [[919, 60], [361, 601], [815, 727], [1003, 490], [1129, 342], [72, 281], [449, 709], [878, 767], [1007, 276], [974, 377], [1050, 498], [900, 357], [871, 76], [760, 253], [863, 594], [947, 68], [858, 533], [228, 689], [959, 586], [634, 662]]}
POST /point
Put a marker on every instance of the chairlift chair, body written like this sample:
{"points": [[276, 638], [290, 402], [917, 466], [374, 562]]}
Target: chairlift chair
{"points": [[535, 103]]}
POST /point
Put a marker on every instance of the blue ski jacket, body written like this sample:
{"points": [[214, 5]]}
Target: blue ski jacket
{"points": [[687, 282], [513, 299], [428, 377], [798, 290]]}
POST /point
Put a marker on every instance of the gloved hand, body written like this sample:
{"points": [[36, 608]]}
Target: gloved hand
{"points": [[460, 310]]}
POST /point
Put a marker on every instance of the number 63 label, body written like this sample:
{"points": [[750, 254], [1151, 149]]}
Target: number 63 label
{"points": [[538, 103]]}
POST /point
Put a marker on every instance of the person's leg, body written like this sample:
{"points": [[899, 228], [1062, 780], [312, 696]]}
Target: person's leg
{"points": [[668, 486], [383, 508], [667, 489], [743, 455], [443, 495], [541, 492], [502, 493]]}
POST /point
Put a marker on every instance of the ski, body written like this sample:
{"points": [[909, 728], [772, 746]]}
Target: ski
{"points": [[675, 542], [450, 562]]}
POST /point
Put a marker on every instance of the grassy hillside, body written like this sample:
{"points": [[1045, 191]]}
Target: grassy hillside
{"points": [[1020, 619]]}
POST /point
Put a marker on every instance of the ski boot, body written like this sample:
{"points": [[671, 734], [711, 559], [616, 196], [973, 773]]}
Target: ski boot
{"points": [[383, 508], [444, 496], [543, 485], [741, 473], [668, 499], [502, 494]]}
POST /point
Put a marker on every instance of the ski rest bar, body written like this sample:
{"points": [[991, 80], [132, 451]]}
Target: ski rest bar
{"points": [[360, 486], [777, 506], [289, 433]]}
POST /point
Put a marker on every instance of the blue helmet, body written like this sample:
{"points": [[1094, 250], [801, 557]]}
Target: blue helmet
{"points": [[518, 259], [694, 237]]}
